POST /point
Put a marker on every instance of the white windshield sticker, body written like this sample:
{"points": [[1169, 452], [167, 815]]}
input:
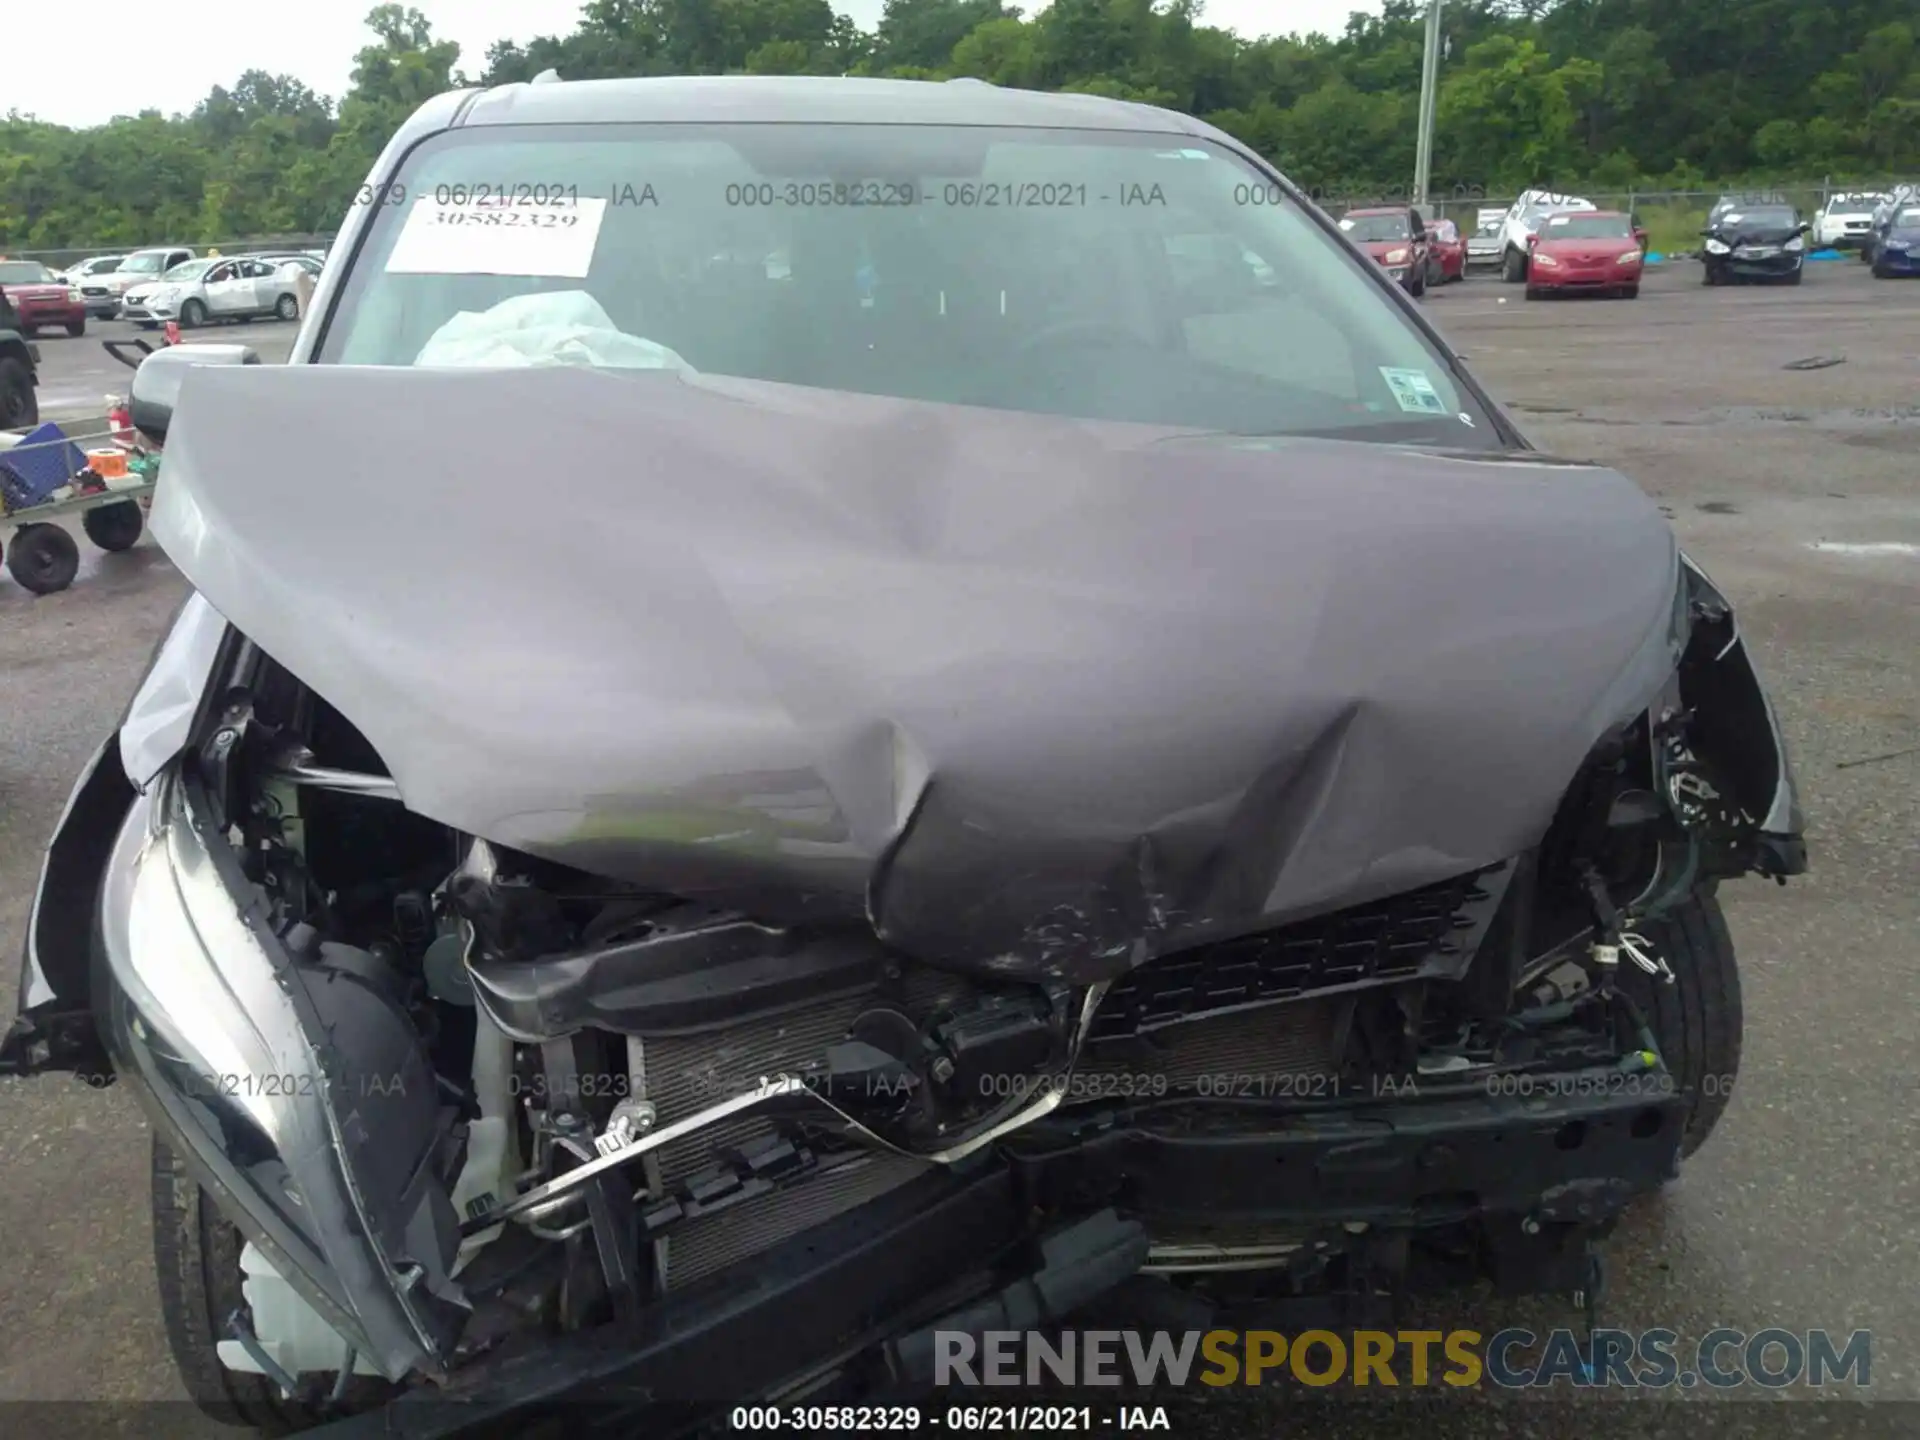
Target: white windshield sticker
{"points": [[498, 236], [1413, 390]]}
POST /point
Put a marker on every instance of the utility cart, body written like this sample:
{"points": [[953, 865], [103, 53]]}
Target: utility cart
{"points": [[42, 555], [105, 476]]}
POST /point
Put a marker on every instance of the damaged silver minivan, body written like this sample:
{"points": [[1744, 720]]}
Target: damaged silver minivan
{"points": [[823, 710]]}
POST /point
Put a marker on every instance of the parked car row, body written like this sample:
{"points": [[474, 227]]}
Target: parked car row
{"points": [[154, 285]]}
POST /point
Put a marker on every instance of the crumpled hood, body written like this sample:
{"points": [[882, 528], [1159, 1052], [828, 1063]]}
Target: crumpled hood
{"points": [[1034, 694]]}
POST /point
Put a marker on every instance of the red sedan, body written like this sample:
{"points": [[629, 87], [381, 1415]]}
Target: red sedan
{"points": [[1591, 251], [41, 299]]}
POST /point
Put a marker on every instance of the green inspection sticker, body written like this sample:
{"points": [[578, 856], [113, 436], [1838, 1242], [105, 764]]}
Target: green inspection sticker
{"points": [[1413, 390]]}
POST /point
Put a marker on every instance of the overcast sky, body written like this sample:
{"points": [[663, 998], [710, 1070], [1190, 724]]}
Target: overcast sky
{"points": [[131, 55]]}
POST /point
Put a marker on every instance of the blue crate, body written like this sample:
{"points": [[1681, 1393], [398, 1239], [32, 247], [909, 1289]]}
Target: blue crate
{"points": [[38, 466]]}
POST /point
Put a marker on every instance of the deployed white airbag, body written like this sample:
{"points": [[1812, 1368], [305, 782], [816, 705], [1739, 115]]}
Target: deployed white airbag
{"points": [[564, 327]]}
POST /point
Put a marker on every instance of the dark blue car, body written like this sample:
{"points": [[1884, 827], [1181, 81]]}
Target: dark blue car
{"points": [[1898, 252]]}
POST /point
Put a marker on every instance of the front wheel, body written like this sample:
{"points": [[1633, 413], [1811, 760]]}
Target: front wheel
{"points": [[287, 307], [77, 329], [196, 1255], [1513, 268], [1697, 1021], [192, 315]]}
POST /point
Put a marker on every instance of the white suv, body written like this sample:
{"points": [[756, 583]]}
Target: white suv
{"points": [[1843, 222]]}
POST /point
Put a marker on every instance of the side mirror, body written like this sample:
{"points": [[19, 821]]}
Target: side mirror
{"points": [[156, 384], [1532, 240]]}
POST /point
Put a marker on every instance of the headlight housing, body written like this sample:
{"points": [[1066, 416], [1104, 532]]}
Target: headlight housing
{"points": [[1718, 247], [213, 1030], [74, 297], [1628, 257], [1396, 257], [1546, 262], [1796, 243]]}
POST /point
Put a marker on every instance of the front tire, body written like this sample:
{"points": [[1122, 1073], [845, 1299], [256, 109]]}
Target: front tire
{"points": [[1513, 267], [287, 308], [77, 329], [1697, 1021], [196, 1257], [192, 315]]}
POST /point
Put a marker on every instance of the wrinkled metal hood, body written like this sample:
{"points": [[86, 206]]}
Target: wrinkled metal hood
{"points": [[1032, 694]]}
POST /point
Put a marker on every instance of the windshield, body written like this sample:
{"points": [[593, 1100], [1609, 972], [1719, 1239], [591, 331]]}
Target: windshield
{"points": [[1908, 218], [1375, 228], [187, 270], [24, 272], [1103, 276], [142, 264], [1854, 204], [97, 267], [1766, 215], [1587, 227]]}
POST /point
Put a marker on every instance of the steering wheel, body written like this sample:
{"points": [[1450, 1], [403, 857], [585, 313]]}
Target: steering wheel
{"points": [[1075, 330]]}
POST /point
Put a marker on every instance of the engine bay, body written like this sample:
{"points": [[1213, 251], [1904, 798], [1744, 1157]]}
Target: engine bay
{"points": [[638, 1090]]}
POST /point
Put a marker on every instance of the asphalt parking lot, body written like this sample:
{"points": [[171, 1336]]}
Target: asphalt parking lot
{"points": [[76, 373], [1799, 1212]]}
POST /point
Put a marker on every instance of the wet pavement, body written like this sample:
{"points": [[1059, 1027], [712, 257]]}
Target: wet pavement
{"points": [[1799, 1212]]}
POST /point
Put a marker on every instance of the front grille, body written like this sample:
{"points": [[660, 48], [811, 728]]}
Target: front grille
{"points": [[1430, 931], [1272, 1052]]}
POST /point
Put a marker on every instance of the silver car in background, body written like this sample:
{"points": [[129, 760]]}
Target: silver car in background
{"points": [[241, 287]]}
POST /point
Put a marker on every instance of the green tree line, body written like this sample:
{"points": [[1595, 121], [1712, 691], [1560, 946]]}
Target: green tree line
{"points": [[1600, 93]]}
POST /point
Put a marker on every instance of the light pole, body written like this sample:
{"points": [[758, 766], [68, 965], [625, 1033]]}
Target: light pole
{"points": [[1429, 85]]}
